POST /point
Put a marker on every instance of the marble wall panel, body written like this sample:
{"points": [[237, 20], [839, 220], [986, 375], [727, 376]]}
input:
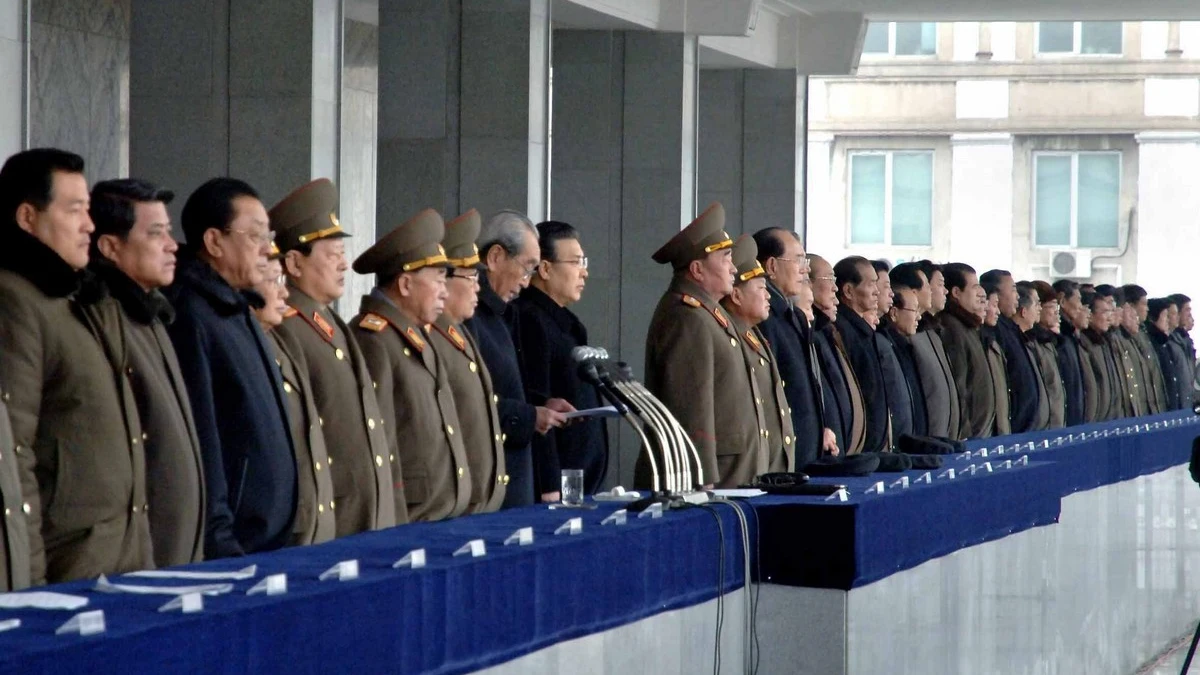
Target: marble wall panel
{"points": [[79, 84]]}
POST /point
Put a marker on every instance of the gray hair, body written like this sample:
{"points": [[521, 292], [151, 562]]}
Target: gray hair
{"points": [[505, 229]]}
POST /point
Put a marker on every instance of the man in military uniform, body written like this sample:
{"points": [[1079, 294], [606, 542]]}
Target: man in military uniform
{"points": [[315, 520], [749, 305], [74, 421], [14, 533], [470, 380], [694, 360], [314, 260], [393, 327], [134, 253]]}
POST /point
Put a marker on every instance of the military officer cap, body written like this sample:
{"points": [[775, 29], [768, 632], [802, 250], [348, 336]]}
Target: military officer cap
{"points": [[275, 254], [745, 259], [702, 236], [459, 241], [306, 215], [414, 245]]}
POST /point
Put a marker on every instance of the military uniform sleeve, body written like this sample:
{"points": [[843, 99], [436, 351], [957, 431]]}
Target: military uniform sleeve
{"points": [[189, 342], [685, 382], [22, 369], [536, 376]]}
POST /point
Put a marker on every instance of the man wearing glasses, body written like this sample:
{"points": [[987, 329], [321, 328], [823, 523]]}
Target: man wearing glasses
{"points": [[548, 331], [234, 385], [314, 259], [789, 333], [508, 250], [470, 380]]}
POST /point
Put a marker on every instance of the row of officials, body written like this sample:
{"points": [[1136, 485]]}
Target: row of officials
{"points": [[164, 403]]}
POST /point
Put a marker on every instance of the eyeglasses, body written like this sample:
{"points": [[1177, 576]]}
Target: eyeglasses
{"points": [[281, 280], [581, 262], [905, 309], [526, 270], [824, 278], [256, 237], [469, 276]]}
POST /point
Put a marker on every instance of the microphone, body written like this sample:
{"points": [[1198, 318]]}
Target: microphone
{"points": [[588, 372]]}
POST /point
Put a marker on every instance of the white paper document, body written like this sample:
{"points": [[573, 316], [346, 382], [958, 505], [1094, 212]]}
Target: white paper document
{"points": [[106, 586], [41, 600], [738, 492], [237, 575], [603, 411]]}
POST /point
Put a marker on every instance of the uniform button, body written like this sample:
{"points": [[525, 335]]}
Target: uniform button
{"points": [[7, 512], [320, 508], [278, 363], [341, 355], [321, 421], [495, 398], [461, 472], [787, 440], [331, 506], [145, 508], [370, 424], [407, 352], [329, 461], [287, 388], [6, 396], [145, 437], [497, 438], [766, 433], [471, 366], [449, 430], [762, 361], [375, 384], [378, 460], [393, 458], [316, 466], [135, 508], [732, 342], [133, 441], [17, 449], [503, 437], [129, 370], [506, 479]]}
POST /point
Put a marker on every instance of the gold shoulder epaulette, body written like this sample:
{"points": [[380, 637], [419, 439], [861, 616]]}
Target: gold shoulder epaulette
{"points": [[414, 338], [373, 322], [689, 300]]}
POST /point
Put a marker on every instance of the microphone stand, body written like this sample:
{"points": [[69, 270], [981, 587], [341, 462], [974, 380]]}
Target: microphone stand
{"points": [[687, 446], [626, 409]]}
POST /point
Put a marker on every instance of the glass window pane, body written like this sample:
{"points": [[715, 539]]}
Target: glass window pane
{"points": [[1100, 37], [916, 38], [1056, 37], [912, 199], [1052, 215], [876, 41], [1099, 200], [867, 197]]}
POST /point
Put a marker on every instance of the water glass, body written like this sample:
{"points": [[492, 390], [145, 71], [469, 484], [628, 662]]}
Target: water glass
{"points": [[572, 487]]}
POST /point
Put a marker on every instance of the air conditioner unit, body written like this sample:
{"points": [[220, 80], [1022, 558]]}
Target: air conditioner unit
{"points": [[1070, 264]]}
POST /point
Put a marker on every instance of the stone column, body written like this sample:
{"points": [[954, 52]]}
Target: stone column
{"points": [[463, 99], [624, 158], [216, 91], [14, 54]]}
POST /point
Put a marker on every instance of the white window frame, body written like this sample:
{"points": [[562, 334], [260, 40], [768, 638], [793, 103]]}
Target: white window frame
{"points": [[888, 156], [1076, 44], [1074, 155], [891, 52]]}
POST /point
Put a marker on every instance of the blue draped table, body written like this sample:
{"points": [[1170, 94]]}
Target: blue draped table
{"points": [[461, 614]]}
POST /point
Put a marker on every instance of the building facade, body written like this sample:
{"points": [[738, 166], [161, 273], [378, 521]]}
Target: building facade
{"points": [[1054, 149]]}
